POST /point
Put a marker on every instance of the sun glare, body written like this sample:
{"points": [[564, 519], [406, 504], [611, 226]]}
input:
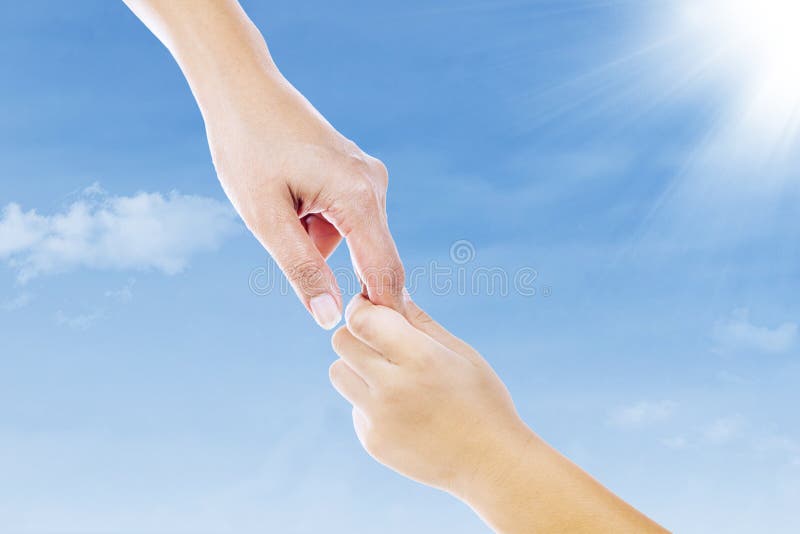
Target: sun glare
{"points": [[756, 44]]}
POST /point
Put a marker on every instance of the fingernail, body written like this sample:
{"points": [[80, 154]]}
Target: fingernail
{"points": [[325, 310]]}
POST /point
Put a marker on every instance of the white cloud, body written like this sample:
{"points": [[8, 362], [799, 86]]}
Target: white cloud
{"points": [[94, 190], [123, 294], [18, 302], [676, 443], [82, 321], [738, 333], [736, 430], [724, 429], [728, 377], [642, 413], [783, 446], [19, 230], [101, 231]]}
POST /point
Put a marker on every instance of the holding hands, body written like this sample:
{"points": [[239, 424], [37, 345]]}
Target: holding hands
{"points": [[424, 402]]}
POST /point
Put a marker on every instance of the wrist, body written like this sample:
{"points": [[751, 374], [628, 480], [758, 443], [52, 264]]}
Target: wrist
{"points": [[222, 54], [507, 490], [499, 465]]}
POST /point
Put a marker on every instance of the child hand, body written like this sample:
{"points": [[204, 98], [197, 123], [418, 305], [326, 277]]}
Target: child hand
{"points": [[424, 402], [428, 406]]}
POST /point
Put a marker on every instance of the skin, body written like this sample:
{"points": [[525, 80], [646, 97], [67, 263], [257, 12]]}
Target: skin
{"points": [[299, 185], [428, 406], [424, 402]]}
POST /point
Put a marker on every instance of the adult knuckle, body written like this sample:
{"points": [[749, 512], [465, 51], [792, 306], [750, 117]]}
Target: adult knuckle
{"points": [[357, 159], [392, 280], [363, 191], [379, 171], [350, 147], [356, 163], [383, 280], [306, 275], [380, 166]]}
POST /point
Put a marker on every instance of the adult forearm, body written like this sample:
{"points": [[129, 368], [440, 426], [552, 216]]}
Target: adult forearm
{"points": [[221, 53], [530, 487]]}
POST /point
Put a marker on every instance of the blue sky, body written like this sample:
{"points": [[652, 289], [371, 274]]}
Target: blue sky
{"points": [[146, 388]]}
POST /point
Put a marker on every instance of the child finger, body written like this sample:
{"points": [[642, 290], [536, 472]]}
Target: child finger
{"points": [[365, 361], [383, 329], [348, 383], [422, 321]]}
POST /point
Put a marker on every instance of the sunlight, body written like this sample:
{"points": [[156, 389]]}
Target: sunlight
{"points": [[757, 45]]}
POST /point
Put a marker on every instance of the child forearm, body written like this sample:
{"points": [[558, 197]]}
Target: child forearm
{"points": [[429, 406], [527, 486]]}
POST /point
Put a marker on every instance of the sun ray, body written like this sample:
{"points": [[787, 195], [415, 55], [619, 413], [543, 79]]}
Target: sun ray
{"points": [[758, 45]]}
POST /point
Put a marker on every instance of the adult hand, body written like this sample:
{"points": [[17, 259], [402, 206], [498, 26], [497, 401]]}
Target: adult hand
{"points": [[300, 187], [298, 184]]}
